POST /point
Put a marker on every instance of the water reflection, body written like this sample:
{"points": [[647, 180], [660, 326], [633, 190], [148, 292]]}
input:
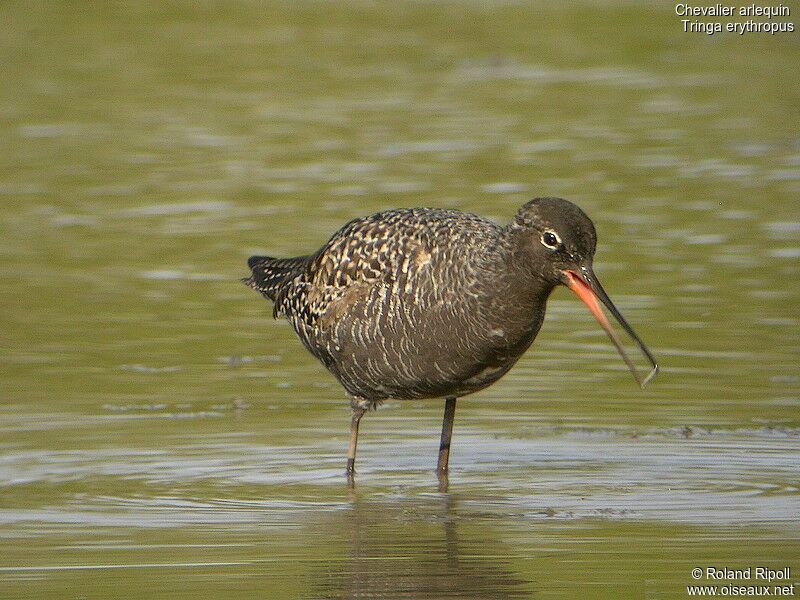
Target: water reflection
{"points": [[421, 547]]}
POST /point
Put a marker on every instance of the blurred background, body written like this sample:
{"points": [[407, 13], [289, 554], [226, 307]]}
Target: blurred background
{"points": [[163, 437]]}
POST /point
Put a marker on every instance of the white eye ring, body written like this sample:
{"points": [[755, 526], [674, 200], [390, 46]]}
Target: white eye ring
{"points": [[550, 239]]}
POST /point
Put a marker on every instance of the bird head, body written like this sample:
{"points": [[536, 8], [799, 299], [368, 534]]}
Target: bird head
{"points": [[558, 242]]}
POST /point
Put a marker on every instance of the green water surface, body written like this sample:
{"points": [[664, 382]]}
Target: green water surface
{"points": [[163, 437]]}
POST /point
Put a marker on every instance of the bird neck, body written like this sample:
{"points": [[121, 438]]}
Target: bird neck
{"points": [[526, 273], [517, 292]]}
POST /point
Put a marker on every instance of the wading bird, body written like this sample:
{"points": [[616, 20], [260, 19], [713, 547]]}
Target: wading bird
{"points": [[429, 303]]}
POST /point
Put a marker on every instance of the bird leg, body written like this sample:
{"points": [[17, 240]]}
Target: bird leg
{"points": [[358, 412], [447, 434]]}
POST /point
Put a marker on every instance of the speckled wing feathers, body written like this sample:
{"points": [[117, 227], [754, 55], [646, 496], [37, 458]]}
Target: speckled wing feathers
{"points": [[395, 304], [386, 250]]}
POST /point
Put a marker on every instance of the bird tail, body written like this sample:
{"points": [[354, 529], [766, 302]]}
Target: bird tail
{"points": [[269, 274]]}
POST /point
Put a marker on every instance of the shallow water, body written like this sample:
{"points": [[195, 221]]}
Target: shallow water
{"points": [[161, 436]]}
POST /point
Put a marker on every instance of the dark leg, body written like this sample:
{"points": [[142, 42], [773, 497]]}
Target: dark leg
{"points": [[447, 434], [351, 450], [444, 481]]}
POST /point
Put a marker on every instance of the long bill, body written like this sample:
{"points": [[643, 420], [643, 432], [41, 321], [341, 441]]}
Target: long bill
{"points": [[586, 286]]}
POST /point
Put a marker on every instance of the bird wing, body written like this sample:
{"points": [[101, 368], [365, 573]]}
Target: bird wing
{"points": [[382, 252]]}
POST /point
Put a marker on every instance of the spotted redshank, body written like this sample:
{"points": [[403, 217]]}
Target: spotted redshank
{"points": [[429, 303]]}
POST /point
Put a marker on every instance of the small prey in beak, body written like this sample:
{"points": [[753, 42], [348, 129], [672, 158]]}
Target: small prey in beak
{"points": [[583, 282]]}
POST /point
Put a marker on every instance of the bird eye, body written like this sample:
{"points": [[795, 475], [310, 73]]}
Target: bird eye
{"points": [[551, 240]]}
